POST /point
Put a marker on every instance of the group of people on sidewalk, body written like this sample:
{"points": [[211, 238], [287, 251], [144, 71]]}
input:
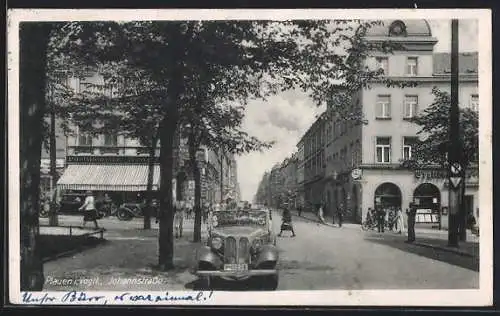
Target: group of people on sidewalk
{"points": [[320, 212], [390, 217]]}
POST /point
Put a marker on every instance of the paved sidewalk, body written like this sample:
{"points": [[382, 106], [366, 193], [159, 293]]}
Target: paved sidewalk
{"points": [[123, 264], [425, 237]]}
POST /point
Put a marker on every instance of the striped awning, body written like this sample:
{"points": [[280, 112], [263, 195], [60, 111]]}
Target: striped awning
{"points": [[100, 177]]}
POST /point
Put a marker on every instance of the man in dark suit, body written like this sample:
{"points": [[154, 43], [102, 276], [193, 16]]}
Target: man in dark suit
{"points": [[380, 211], [412, 213]]}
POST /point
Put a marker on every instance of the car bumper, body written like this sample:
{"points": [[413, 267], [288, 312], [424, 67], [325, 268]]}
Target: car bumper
{"points": [[236, 275]]}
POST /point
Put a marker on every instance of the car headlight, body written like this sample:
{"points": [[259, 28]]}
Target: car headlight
{"points": [[216, 243]]}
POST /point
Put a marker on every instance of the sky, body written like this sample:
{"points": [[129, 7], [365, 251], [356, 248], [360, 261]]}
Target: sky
{"points": [[285, 117]]}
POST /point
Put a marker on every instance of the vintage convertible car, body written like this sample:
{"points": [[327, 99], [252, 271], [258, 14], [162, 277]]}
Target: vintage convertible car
{"points": [[241, 245]]}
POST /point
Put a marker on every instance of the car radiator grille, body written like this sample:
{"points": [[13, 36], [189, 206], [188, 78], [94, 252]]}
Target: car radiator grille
{"points": [[236, 250], [243, 251], [230, 250]]}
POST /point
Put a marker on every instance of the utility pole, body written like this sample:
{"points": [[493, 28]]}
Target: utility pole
{"points": [[455, 168]]}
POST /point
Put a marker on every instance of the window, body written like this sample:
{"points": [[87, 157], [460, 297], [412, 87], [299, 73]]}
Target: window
{"points": [[110, 140], [410, 106], [383, 106], [474, 102], [383, 149], [412, 66], [383, 63], [408, 143], [85, 140]]}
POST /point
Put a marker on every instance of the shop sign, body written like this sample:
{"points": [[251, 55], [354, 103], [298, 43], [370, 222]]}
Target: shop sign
{"points": [[430, 174]]}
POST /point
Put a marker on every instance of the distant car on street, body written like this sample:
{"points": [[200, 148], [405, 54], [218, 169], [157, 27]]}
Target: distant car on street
{"points": [[241, 245], [71, 202]]}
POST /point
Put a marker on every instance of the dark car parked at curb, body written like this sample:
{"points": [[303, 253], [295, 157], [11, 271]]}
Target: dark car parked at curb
{"points": [[241, 245], [71, 202]]}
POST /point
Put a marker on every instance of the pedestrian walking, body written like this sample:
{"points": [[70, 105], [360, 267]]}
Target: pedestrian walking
{"points": [[411, 223], [333, 215], [380, 211], [370, 217], [320, 214], [179, 218], [89, 210], [286, 221], [400, 221], [299, 209], [340, 214]]}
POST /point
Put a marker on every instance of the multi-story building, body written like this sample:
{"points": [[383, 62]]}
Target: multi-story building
{"points": [[289, 174], [314, 162], [262, 196], [299, 191], [364, 166], [118, 165]]}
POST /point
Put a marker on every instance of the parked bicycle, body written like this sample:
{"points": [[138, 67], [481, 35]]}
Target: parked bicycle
{"points": [[369, 224]]}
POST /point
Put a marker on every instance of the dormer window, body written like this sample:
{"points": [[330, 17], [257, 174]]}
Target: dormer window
{"points": [[397, 28]]}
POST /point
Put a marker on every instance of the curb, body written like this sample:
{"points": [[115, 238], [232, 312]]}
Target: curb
{"points": [[458, 252]]}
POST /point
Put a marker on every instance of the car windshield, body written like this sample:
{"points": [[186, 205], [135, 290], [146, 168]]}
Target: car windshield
{"points": [[239, 218]]}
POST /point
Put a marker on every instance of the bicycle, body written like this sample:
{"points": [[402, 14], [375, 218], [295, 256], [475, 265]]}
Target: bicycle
{"points": [[368, 224]]}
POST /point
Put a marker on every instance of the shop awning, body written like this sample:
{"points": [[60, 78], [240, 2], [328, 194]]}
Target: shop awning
{"points": [[125, 177]]}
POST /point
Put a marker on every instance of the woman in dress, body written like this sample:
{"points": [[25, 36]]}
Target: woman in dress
{"points": [[320, 214], [89, 210], [400, 221]]}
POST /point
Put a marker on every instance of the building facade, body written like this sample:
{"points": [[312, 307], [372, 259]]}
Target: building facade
{"points": [[364, 161], [314, 163], [118, 165]]}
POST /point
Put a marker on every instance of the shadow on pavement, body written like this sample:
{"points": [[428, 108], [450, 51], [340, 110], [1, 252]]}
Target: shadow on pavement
{"points": [[57, 246], [398, 242], [218, 284]]}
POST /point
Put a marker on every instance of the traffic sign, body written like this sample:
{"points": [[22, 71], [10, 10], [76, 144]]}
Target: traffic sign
{"points": [[455, 168], [455, 181]]}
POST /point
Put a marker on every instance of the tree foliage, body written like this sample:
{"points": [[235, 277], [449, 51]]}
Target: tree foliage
{"points": [[433, 144]]}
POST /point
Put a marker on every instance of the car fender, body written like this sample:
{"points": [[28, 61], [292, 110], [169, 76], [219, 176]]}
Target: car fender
{"points": [[206, 254], [268, 253]]}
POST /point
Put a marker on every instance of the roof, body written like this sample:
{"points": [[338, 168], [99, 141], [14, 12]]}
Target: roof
{"points": [[467, 63], [414, 27], [319, 118]]}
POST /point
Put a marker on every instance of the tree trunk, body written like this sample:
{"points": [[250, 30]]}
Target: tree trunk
{"points": [[193, 148], [166, 240], [53, 220], [149, 189], [33, 45]]}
